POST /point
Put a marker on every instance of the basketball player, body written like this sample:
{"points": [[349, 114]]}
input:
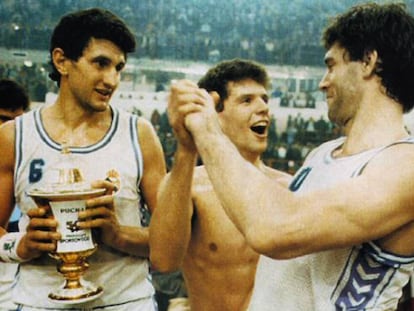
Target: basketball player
{"points": [[88, 52], [341, 237]]}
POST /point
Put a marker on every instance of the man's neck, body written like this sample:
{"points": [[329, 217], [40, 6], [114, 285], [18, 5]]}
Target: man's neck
{"points": [[76, 127], [379, 126]]}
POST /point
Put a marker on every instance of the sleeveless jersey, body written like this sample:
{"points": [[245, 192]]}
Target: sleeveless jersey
{"points": [[124, 278], [8, 274], [363, 277]]}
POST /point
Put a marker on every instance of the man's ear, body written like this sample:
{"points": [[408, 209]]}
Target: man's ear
{"points": [[218, 104], [370, 62], [59, 60], [216, 97]]}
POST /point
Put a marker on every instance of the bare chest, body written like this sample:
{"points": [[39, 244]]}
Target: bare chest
{"points": [[214, 236]]}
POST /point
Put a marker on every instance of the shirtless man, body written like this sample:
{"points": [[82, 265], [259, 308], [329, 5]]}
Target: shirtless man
{"points": [[189, 228], [341, 237]]}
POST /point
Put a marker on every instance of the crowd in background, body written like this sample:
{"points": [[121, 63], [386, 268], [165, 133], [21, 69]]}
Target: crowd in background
{"points": [[286, 148], [282, 32], [273, 32], [32, 76]]}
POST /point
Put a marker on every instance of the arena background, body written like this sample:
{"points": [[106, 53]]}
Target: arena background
{"points": [[182, 39]]}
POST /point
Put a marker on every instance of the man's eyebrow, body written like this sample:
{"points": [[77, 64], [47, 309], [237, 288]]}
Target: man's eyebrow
{"points": [[101, 57], [246, 95]]}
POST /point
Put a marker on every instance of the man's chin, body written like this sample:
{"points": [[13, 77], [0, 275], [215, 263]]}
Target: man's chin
{"points": [[101, 107]]}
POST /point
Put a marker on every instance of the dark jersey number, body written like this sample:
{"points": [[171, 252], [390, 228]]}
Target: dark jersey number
{"points": [[36, 170]]}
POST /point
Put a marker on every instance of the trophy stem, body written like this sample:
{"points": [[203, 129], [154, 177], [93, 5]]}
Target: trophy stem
{"points": [[75, 289], [72, 273]]}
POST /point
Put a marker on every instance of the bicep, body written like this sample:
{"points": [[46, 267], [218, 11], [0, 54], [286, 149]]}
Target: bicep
{"points": [[368, 207], [154, 163]]}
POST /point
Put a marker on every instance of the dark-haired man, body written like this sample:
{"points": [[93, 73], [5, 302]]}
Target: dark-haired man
{"points": [[88, 52], [340, 238], [189, 228]]}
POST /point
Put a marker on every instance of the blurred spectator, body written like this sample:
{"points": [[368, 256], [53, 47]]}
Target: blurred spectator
{"points": [[181, 30], [14, 100], [30, 76], [272, 32]]}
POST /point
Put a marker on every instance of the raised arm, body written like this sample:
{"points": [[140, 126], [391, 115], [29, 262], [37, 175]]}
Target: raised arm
{"points": [[282, 224], [170, 229]]}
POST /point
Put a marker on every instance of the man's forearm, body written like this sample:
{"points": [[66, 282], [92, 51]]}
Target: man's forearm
{"points": [[170, 227], [133, 241]]}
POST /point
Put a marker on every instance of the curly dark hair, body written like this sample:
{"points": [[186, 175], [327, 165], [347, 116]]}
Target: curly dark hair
{"points": [[75, 30], [387, 29], [217, 78]]}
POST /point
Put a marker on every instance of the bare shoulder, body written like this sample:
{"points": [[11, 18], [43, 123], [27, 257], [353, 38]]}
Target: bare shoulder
{"points": [[7, 132], [148, 138], [7, 138], [145, 126], [277, 175], [393, 169], [7, 127]]}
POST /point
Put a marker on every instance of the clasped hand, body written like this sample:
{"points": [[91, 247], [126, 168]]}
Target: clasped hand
{"points": [[191, 110], [41, 235]]}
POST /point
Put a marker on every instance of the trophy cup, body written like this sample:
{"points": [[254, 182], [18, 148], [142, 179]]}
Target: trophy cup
{"points": [[65, 199]]}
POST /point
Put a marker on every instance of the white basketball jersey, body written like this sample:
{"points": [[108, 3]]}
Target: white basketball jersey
{"points": [[124, 278], [363, 277], [7, 277]]}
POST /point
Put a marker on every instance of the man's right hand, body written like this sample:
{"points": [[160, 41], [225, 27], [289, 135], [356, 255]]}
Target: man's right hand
{"points": [[41, 235], [182, 101], [188, 101]]}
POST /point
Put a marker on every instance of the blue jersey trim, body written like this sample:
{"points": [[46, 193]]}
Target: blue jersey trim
{"points": [[362, 282], [56, 146], [133, 125], [18, 145], [385, 257]]}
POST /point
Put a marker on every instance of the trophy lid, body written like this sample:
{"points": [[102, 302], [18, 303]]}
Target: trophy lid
{"points": [[69, 179]]}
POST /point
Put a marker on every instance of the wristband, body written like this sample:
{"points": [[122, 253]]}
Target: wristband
{"points": [[8, 247]]}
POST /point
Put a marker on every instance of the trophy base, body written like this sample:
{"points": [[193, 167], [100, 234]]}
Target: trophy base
{"points": [[85, 293]]}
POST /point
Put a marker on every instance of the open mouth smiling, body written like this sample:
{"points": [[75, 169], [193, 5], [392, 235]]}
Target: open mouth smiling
{"points": [[260, 128]]}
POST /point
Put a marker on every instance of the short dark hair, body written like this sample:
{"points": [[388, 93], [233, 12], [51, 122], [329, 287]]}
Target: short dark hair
{"points": [[13, 96], [75, 30], [387, 29], [234, 70]]}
